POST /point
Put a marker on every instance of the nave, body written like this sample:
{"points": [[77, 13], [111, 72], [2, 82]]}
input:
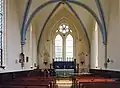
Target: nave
{"points": [[59, 44], [41, 79]]}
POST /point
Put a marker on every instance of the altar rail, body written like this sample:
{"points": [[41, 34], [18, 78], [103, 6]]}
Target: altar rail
{"points": [[64, 64]]}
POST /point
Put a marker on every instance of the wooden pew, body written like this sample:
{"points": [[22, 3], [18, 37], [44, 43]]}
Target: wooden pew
{"points": [[96, 82], [29, 82], [99, 85], [25, 86]]}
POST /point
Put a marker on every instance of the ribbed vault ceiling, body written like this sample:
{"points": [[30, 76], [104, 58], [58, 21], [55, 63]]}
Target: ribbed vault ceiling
{"points": [[42, 15]]}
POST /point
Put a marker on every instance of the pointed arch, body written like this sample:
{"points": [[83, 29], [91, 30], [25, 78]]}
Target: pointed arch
{"points": [[23, 34], [104, 34], [55, 30], [81, 23], [66, 21], [102, 29], [83, 27], [52, 12]]}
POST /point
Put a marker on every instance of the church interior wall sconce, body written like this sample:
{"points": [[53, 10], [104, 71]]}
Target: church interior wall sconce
{"points": [[22, 59], [110, 61]]}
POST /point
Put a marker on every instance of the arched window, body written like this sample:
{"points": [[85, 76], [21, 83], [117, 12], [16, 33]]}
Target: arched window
{"points": [[64, 43], [69, 47], [58, 47]]}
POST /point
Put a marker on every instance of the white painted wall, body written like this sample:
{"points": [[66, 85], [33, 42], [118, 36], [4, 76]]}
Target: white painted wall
{"points": [[111, 12], [12, 38], [13, 41], [113, 36], [112, 20], [30, 48]]}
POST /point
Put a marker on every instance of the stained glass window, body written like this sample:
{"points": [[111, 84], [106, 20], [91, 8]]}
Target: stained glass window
{"points": [[63, 28], [64, 44]]}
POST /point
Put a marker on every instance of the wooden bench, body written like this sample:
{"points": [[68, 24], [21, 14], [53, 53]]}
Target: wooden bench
{"points": [[99, 85], [29, 82]]}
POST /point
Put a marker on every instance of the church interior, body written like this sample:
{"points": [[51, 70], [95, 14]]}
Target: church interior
{"points": [[59, 44]]}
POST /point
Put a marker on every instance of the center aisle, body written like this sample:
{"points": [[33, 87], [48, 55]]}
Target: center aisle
{"points": [[64, 83]]}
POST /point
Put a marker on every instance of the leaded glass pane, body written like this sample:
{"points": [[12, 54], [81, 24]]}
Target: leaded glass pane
{"points": [[69, 47], [64, 28], [58, 47]]}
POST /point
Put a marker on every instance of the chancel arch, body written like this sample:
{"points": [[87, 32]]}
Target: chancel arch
{"points": [[69, 1], [58, 17], [56, 20], [79, 40]]}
